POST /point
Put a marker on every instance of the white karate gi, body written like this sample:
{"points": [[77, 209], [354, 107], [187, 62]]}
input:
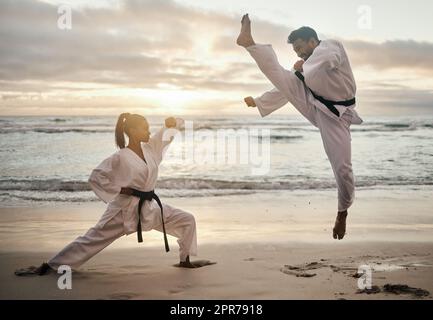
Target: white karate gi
{"points": [[126, 169], [328, 73]]}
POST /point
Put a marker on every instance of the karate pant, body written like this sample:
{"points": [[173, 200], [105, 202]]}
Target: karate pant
{"points": [[178, 223], [335, 131]]}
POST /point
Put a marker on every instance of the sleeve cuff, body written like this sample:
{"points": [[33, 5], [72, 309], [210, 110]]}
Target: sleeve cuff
{"points": [[259, 106]]}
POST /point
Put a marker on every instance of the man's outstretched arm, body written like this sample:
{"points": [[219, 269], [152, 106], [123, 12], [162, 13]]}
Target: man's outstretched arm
{"points": [[268, 102]]}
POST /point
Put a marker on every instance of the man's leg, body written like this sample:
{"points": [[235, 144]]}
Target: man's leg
{"points": [[85, 247], [335, 132], [337, 143], [284, 80]]}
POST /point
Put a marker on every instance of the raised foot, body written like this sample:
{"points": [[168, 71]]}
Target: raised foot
{"points": [[245, 38]]}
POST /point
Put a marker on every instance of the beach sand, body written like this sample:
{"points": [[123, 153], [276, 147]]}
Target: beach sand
{"points": [[274, 245]]}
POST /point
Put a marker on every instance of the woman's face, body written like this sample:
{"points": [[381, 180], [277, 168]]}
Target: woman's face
{"points": [[141, 131]]}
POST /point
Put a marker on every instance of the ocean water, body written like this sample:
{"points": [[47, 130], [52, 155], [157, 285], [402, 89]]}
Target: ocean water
{"points": [[49, 159]]}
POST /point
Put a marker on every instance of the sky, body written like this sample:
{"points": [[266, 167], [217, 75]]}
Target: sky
{"points": [[167, 57]]}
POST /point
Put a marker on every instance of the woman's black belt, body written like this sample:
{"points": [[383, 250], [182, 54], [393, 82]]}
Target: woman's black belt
{"points": [[148, 196]]}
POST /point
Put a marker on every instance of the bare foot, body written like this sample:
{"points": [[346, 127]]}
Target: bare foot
{"points": [[43, 269], [340, 225], [186, 264], [245, 39], [193, 264]]}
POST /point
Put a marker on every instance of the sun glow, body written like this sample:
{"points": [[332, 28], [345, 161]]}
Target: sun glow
{"points": [[167, 99]]}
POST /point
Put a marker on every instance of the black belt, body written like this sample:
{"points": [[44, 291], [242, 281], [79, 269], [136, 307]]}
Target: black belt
{"points": [[148, 196], [328, 103]]}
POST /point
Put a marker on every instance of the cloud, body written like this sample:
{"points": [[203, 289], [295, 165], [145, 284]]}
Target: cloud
{"points": [[153, 43], [142, 44], [397, 54]]}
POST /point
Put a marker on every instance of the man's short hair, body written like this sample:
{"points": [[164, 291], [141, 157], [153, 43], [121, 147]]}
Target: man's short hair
{"points": [[304, 33]]}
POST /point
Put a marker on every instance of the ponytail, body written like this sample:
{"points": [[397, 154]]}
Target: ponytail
{"points": [[120, 130]]}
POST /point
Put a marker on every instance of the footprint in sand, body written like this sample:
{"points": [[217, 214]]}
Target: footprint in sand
{"points": [[175, 291], [122, 296], [250, 259], [372, 290], [396, 289], [179, 289], [405, 289], [301, 270], [298, 273]]}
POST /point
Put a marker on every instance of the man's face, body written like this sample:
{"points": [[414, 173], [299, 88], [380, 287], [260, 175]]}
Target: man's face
{"points": [[303, 48]]}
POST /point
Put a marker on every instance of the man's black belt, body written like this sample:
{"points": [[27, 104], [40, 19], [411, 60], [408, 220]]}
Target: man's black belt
{"points": [[148, 196], [328, 103]]}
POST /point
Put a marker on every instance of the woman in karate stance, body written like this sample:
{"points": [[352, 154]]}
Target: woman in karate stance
{"points": [[132, 167]]}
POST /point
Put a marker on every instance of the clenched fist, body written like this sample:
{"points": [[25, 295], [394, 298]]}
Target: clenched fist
{"points": [[298, 65], [250, 102], [170, 122]]}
